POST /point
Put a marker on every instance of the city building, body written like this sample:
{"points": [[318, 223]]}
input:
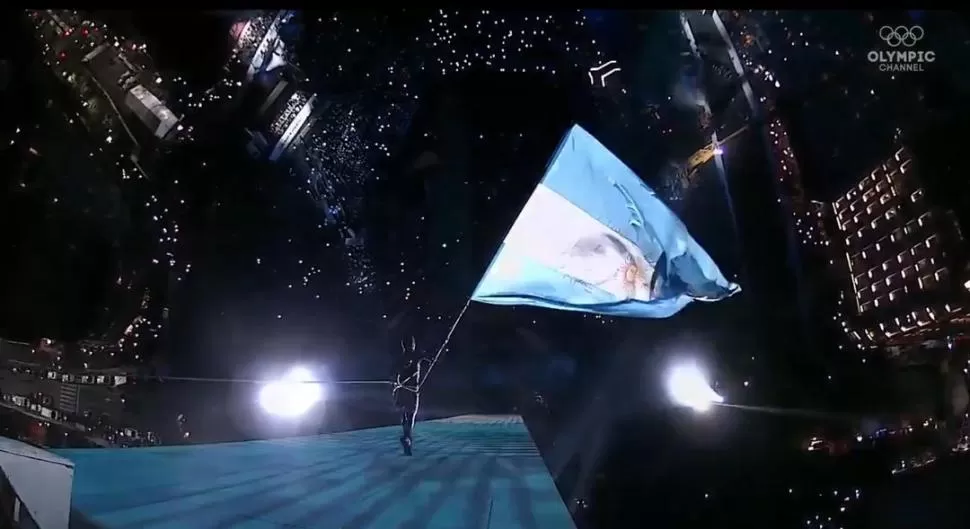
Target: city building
{"points": [[122, 94], [282, 118], [901, 258], [91, 402], [829, 168], [816, 161], [837, 127], [279, 111], [117, 110], [810, 160], [121, 104]]}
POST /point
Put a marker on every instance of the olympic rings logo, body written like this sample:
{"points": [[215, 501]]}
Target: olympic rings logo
{"points": [[901, 35]]}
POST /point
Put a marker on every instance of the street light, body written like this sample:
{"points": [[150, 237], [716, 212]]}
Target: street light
{"points": [[688, 386], [293, 395]]}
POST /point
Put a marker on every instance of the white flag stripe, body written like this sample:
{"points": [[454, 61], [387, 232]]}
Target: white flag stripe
{"points": [[558, 234]]}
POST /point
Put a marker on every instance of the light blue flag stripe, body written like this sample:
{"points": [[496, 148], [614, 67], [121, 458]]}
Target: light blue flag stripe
{"points": [[592, 219], [548, 288], [585, 173]]}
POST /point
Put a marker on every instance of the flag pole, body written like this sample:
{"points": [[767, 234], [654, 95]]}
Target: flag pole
{"points": [[441, 350], [444, 344]]}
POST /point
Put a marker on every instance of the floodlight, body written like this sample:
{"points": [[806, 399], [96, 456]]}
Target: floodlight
{"points": [[293, 395], [688, 386]]}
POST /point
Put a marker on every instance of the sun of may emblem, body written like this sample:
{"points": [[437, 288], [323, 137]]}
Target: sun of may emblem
{"points": [[634, 277]]}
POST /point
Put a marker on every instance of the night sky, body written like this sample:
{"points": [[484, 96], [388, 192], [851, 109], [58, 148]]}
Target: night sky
{"points": [[433, 129]]}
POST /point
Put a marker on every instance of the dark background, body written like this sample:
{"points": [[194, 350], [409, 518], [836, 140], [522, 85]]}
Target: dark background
{"points": [[272, 283]]}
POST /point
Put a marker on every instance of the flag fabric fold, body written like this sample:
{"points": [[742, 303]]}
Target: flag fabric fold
{"points": [[594, 238]]}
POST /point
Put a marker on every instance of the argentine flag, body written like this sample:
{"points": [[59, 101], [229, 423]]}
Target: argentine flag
{"points": [[594, 238]]}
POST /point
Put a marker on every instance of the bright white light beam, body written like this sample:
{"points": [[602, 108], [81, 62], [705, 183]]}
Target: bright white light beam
{"points": [[688, 386], [293, 395]]}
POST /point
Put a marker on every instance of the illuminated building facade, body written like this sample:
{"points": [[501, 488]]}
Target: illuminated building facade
{"points": [[900, 256], [820, 125], [123, 101], [258, 45], [33, 381], [282, 111], [284, 117], [120, 89], [106, 89], [800, 106]]}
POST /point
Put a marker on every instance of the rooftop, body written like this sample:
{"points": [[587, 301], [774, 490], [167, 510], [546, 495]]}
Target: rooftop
{"points": [[471, 471]]}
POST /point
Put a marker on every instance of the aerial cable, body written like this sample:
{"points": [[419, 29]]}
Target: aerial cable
{"points": [[261, 381]]}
